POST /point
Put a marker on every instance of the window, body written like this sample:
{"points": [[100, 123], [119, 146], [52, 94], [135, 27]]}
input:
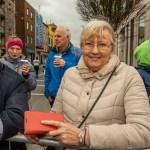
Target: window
{"points": [[131, 41], [31, 40], [141, 29], [27, 25], [9, 6], [37, 19], [31, 27], [31, 15], [27, 39], [10, 31], [27, 11], [127, 44]]}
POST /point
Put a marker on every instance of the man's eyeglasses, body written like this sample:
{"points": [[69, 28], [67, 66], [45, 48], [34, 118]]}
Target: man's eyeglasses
{"points": [[100, 46]]}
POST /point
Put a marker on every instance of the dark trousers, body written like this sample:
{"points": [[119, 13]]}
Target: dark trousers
{"points": [[51, 103], [4, 145], [37, 70], [50, 148]]}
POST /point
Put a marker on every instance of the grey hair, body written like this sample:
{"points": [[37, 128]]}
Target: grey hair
{"points": [[66, 29], [96, 28]]}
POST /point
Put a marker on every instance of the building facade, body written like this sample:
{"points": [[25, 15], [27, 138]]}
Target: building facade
{"points": [[45, 41], [51, 31], [25, 26], [2, 23], [29, 30], [7, 21], [39, 35], [18, 17], [133, 30]]}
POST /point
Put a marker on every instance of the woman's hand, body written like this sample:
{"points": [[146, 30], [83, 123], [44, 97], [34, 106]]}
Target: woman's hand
{"points": [[66, 133], [25, 69], [32, 138]]}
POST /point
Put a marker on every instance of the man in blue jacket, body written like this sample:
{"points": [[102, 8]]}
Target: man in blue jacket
{"points": [[13, 104], [61, 57]]}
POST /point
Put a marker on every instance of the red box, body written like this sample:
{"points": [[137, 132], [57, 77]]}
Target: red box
{"points": [[32, 122]]}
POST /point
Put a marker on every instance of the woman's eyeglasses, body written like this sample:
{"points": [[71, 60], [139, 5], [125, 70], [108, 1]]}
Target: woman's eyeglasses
{"points": [[100, 46]]}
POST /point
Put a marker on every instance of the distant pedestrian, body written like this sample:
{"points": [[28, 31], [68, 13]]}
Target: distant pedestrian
{"points": [[16, 61], [61, 57], [28, 58], [2, 52], [36, 64], [142, 55]]}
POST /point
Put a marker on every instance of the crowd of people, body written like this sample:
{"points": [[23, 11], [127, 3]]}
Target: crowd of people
{"points": [[105, 102]]}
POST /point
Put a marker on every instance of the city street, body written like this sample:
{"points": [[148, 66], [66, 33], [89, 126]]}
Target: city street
{"points": [[38, 102]]}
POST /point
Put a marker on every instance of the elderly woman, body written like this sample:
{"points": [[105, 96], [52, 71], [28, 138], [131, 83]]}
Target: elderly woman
{"points": [[121, 117], [13, 59]]}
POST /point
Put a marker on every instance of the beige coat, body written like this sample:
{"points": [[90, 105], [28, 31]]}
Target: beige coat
{"points": [[120, 119]]}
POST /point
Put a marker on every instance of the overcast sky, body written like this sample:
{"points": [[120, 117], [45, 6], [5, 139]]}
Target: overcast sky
{"points": [[60, 12]]}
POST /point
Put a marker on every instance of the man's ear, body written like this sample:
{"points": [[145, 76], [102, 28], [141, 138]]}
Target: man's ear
{"points": [[68, 37]]}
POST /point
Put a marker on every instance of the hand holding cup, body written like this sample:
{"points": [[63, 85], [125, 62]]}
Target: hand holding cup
{"points": [[58, 61], [24, 66]]}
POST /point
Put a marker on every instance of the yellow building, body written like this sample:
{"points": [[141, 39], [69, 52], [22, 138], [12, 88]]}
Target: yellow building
{"points": [[51, 30]]}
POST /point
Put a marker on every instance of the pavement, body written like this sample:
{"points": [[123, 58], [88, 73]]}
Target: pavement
{"points": [[38, 102]]}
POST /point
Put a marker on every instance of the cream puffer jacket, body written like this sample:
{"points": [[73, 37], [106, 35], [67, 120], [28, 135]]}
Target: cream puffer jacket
{"points": [[120, 119]]}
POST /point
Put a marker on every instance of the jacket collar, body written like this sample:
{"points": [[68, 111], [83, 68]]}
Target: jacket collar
{"points": [[105, 70], [8, 58], [56, 49]]}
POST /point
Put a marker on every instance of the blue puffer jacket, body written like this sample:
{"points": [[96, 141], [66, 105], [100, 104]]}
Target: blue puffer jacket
{"points": [[14, 64], [53, 75], [145, 74]]}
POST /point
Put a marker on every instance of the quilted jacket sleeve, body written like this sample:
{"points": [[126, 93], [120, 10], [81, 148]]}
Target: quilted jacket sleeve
{"points": [[58, 107], [136, 132]]}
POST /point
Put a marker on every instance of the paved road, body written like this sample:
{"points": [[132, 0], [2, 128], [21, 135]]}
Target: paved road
{"points": [[38, 103]]}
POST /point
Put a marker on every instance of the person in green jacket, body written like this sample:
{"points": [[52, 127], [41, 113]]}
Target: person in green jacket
{"points": [[142, 55]]}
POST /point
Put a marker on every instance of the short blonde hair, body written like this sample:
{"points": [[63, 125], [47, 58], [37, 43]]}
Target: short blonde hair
{"points": [[96, 28]]}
